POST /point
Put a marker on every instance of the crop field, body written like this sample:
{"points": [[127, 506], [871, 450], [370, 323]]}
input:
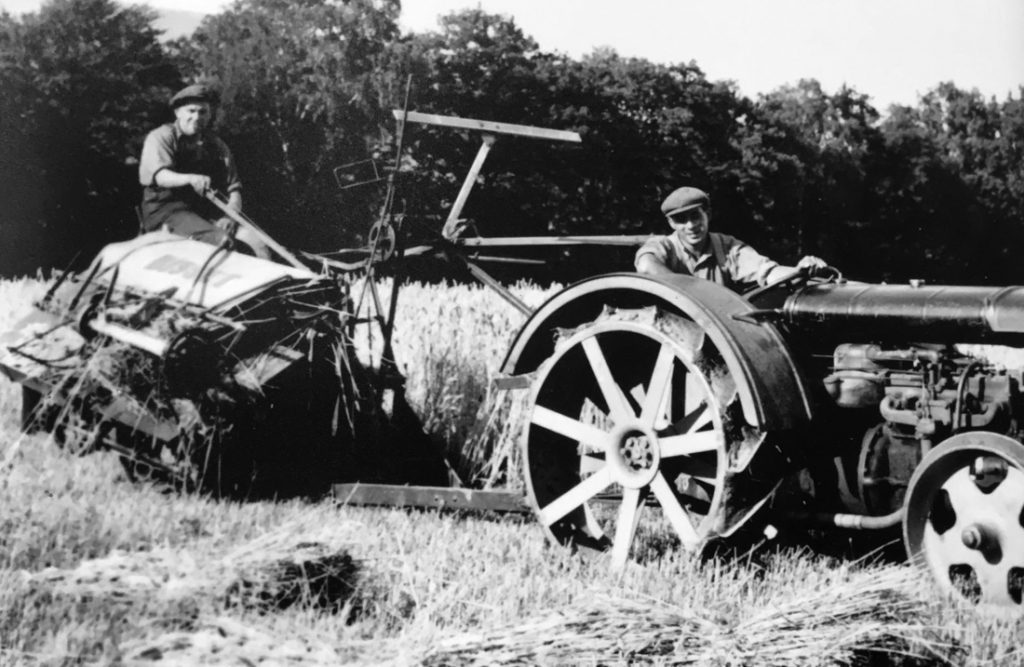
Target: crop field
{"points": [[97, 569]]}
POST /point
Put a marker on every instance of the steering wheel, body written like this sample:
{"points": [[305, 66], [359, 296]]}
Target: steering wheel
{"points": [[828, 274]]}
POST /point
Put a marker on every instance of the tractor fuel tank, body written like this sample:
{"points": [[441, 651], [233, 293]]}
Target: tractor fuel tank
{"points": [[962, 314]]}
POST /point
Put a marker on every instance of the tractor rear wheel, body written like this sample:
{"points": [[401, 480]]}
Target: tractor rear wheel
{"points": [[964, 519], [629, 418]]}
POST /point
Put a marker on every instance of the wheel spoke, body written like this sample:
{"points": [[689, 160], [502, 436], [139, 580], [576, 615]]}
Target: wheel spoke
{"points": [[618, 407], [700, 490], [593, 525], [702, 467], [663, 418], [691, 443], [638, 393], [625, 528], [590, 464], [694, 420], [1012, 543], [677, 516], [575, 496], [661, 378], [1008, 497], [704, 417], [694, 397], [688, 487], [570, 428], [708, 482], [995, 584], [963, 492]]}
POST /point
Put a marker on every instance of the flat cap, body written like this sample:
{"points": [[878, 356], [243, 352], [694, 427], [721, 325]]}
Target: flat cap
{"points": [[197, 92], [684, 199]]}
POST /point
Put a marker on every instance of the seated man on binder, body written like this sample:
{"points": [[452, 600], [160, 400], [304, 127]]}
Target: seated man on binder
{"points": [[181, 163]]}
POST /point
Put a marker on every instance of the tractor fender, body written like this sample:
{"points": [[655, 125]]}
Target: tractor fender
{"points": [[773, 392]]}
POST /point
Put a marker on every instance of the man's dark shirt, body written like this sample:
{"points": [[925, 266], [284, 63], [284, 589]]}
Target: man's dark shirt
{"points": [[167, 148]]}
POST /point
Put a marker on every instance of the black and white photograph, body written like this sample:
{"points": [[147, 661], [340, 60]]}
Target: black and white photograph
{"points": [[511, 332]]}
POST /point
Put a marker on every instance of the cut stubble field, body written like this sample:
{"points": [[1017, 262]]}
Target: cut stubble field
{"points": [[95, 569]]}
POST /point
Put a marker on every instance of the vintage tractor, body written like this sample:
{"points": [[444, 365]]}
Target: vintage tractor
{"points": [[811, 402]]}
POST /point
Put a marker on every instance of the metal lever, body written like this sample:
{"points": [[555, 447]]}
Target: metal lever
{"points": [[244, 220]]}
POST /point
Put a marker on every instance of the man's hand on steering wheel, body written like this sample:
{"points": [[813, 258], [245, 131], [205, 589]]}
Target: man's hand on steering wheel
{"points": [[808, 268], [813, 266]]}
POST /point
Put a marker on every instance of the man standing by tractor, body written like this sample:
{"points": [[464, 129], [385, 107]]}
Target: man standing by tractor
{"points": [[181, 163], [693, 250]]}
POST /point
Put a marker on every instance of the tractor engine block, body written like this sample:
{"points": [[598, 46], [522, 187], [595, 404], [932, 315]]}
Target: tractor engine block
{"points": [[912, 398]]}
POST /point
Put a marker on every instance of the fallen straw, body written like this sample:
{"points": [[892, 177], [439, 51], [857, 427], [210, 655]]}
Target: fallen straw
{"points": [[839, 624]]}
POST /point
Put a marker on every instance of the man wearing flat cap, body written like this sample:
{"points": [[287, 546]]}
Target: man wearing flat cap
{"points": [[693, 250], [182, 161]]}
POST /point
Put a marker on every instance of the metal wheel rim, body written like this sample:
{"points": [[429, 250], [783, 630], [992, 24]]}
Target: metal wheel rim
{"points": [[943, 482], [703, 437]]}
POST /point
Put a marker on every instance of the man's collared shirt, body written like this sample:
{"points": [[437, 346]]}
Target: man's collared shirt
{"points": [[167, 148], [732, 263]]}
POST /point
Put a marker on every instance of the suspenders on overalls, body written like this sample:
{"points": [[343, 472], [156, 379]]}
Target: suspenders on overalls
{"points": [[718, 252]]}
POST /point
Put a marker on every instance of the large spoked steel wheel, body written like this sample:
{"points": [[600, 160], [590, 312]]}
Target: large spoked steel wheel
{"points": [[964, 519], [626, 420]]}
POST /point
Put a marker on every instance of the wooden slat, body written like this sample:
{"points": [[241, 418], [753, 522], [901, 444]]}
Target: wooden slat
{"points": [[437, 497], [452, 228], [487, 126], [513, 241]]}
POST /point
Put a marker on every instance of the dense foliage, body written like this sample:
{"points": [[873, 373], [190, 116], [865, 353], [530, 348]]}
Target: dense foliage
{"points": [[933, 191], [79, 80]]}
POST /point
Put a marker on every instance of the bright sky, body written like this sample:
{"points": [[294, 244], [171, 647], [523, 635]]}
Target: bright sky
{"points": [[893, 50]]}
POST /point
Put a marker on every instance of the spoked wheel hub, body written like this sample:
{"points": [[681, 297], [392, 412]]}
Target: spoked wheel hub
{"points": [[634, 458], [964, 519], [627, 415]]}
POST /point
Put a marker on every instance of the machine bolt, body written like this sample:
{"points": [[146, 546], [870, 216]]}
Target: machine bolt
{"points": [[638, 452], [972, 537], [981, 538]]}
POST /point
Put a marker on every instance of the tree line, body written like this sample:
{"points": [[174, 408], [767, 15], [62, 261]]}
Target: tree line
{"points": [[932, 191]]}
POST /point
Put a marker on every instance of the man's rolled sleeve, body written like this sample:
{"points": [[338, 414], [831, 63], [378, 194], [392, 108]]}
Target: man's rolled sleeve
{"points": [[749, 266], [656, 246], [157, 154]]}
